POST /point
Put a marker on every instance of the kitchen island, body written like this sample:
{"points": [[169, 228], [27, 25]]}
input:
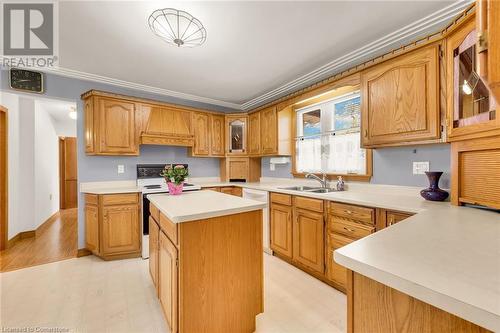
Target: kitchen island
{"points": [[206, 260]]}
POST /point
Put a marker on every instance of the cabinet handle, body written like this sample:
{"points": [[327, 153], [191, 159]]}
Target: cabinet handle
{"points": [[349, 229], [348, 211], [366, 133], [391, 221]]}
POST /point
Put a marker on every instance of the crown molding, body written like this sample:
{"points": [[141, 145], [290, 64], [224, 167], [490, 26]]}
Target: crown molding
{"points": [[131, 85], [351, 59], [357, 56]]}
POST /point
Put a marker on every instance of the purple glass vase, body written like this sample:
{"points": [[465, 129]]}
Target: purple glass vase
{"points": [[433, 192]]}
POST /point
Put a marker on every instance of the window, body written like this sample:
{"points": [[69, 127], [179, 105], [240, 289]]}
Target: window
{"points": [[328, 137]]}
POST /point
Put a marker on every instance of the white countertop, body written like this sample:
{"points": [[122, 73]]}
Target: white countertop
{"points": [[444, 255], [198, 205], [447, 256], [111, 187]]}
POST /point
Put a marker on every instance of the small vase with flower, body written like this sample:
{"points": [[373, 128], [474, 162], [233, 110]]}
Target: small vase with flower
{"points": [[175, 177]]}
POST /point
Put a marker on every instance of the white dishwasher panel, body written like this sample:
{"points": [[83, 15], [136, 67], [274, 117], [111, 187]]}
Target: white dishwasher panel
{"points": [[262, 196]]}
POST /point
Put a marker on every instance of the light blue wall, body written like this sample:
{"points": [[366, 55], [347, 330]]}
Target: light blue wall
{"points": [[97, 168], [390, 165], [393, 166]]}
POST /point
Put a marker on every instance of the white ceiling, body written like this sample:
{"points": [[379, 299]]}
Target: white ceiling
{"points": [[252, 48]]}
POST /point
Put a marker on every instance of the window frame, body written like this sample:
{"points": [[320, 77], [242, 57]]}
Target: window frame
{"points": [[366, 177]]}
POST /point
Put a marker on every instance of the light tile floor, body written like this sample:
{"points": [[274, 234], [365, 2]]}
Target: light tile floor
{"points": [[91, 295]]}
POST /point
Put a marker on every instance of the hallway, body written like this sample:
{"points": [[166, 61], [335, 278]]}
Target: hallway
{"points": [[54, 241]]}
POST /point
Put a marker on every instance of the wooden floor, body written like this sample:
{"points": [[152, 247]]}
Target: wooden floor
{"points": [[54, 241]]}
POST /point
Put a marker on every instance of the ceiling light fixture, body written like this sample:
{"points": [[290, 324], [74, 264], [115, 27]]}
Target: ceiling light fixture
{"points": [[177, 27]]}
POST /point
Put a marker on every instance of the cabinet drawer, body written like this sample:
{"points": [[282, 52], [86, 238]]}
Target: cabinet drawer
{"points": [[349, 228], [169, 228], [154, 212], [395, 217], [238, 191], [217, 189], [91, 199], [309, 204], [119, 199], [279, 198], [358, 213], [227, 190]]}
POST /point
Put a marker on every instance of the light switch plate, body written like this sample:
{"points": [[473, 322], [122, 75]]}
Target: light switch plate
{"points": [[121, 168], [419, 168]]}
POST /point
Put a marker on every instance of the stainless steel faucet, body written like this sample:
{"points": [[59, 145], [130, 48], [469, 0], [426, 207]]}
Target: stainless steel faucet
{"points": [[323, 181]]}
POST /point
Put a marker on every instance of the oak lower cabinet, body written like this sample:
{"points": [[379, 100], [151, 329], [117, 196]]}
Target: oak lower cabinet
{"points": [[208, 282], [91, 227], [373, 307], [308, 239], [281, 229], [168, 275], [346, 224], [401, 99], [297, 231], [112, 225], [154, 243], [335, 272]]}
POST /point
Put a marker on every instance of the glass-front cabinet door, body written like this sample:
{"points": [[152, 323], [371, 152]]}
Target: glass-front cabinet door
{"points": [[473, 101], [471, 105], [237, 134]]}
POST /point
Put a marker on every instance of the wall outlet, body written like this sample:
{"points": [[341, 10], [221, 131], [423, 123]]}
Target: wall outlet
{"points": [[419, 168], [50, 197], [121, 168]]}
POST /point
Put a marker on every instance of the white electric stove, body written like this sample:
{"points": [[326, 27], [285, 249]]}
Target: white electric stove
{"points": [[150, 182]]}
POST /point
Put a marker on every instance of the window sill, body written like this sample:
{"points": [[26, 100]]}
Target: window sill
{"points": [[333, 176]]}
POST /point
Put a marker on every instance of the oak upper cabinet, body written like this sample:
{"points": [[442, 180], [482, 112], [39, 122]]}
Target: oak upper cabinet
{"points": [[237, 131], [217, 135], [488, 43], [254, 134], [281, 229], [112, 225], [88, 114], [117, 127], [269, 131], [154, 243], [401, 99], [201, 129], [168, 277], [308, 239]]}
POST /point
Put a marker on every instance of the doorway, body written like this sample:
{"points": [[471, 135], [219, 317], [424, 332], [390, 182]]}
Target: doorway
{"points": [[41, 227], [68, 188], [3, 179]]}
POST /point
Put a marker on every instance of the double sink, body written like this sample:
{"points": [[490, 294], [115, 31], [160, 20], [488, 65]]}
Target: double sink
{"points": [[310, 189]]}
